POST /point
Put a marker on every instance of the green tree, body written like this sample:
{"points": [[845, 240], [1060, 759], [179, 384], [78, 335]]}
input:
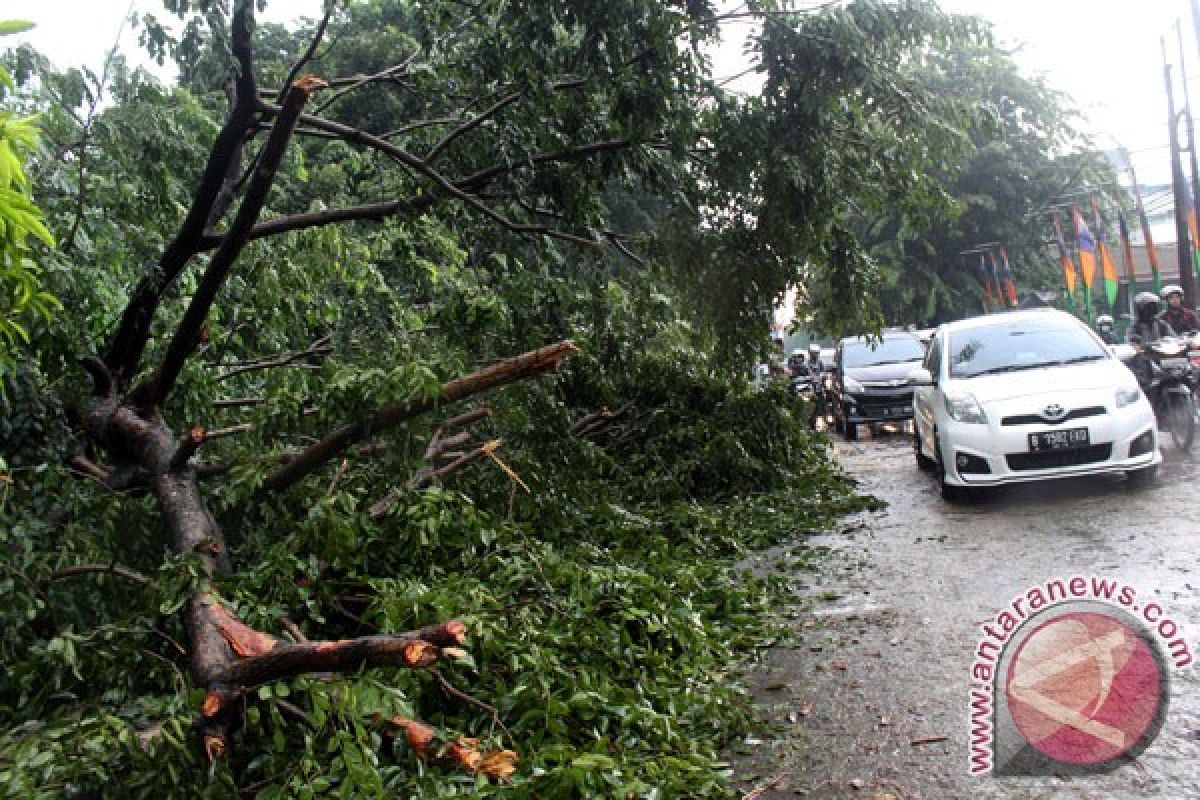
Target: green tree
{"points": [[1027, 153], [20, 287], [275, 281]]}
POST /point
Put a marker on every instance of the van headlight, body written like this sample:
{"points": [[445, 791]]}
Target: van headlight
{"points": [[1128, 395], [965, 408]]}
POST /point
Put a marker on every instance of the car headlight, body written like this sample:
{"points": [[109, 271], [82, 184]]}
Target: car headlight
{"points": [[965, 408], [1127, 395], [852, 386]]}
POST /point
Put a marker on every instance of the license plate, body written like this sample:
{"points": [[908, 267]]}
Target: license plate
{"points": [[1058, 440]]}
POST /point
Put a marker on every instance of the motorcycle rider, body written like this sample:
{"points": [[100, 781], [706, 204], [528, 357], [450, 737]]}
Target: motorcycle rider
{"points": [[1182, 320], [1148, 327], [814, 358], [1105, 329], [796, 365]]}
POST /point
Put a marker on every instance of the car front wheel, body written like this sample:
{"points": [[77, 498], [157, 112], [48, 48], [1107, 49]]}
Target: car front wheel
{"points": [[924, 462], [1142, 478], [955, 495]]}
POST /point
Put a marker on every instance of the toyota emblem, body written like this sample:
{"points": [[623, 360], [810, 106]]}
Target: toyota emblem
{"points": [[1054, 411]]}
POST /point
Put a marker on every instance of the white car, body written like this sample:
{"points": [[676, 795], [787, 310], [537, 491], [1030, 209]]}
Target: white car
{"points": [[1026, 396]]}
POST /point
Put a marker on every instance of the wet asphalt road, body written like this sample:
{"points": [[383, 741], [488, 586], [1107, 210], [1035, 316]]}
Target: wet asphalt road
{"points": [[871, 699]]}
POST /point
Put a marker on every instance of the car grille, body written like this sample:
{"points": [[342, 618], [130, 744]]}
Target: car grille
{"points": [[1059, 458], [885, 406], [1038, 419]]}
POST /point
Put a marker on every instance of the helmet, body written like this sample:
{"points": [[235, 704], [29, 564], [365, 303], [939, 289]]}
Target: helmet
{"points": [[797, 352], [1169, 290], [1104, 321], [1147, 304], [814, 349]]}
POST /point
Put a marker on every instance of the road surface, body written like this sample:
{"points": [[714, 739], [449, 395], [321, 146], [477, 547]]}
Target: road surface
{"points": [[871, 699]]}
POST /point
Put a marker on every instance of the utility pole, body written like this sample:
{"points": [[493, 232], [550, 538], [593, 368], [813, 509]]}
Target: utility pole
{"points": [[1187, 277], [1196, 19], [1191, 138]]}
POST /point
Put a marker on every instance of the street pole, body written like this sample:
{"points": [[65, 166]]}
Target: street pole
{"points": [[1196, 19], [1191, 137], [1187, 277]]}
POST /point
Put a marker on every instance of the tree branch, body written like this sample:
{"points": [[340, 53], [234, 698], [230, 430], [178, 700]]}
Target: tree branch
{"points": [[133, 333], [184, 340], [321, 347], [263, 658], [535, 362], [379, 211], [102, 569], [491, 111], [312, 49]]}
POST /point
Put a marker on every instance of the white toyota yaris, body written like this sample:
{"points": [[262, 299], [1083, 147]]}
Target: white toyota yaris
{"points": [[1024, 396]]}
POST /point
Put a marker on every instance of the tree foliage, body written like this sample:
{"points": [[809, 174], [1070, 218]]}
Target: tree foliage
{"points": [[287, 277], [20, 219]]}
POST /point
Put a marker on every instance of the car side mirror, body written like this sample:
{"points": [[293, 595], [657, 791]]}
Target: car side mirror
{"points": [[920, 377]]}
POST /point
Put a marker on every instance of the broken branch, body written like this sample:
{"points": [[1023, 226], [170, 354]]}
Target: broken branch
{"points": [[102, 569], [535, 362]]}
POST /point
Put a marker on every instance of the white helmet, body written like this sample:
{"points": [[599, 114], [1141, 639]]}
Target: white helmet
{"points": [[815, 349], [1104, 321], [1169, 290]]}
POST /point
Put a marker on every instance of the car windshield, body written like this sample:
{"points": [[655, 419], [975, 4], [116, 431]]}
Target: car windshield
{"points": [[1020, 345], [892, 350]]}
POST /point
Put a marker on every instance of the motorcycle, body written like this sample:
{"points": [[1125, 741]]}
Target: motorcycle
{"points": [[805, 386], [1165, 371]]}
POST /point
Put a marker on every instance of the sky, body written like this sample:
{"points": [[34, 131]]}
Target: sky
{"points": [[1104, 54]]}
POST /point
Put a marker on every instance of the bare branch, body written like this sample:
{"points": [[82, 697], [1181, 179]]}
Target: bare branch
{"points": [[473, 123], [308, 54], [238, 402], [232, 430], [279, 659], [321, 347]]}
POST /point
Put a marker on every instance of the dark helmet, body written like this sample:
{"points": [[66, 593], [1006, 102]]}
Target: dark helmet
{"points": [[1147, 305]]}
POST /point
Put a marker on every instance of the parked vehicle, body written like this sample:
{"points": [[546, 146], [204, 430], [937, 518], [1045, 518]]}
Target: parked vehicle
{"points": [[1025, 396], [870, 380], [1165, 373]]}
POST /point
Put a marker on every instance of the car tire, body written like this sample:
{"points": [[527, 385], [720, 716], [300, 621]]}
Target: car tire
{"points": [[1142, 478], [850, 431], [1181, 421], [924, 462], [955, 495]]}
